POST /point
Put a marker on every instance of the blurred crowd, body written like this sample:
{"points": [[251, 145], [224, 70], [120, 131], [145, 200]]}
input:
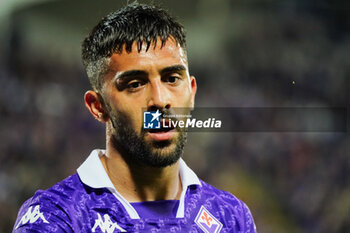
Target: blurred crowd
{"points": [[292, 182]]}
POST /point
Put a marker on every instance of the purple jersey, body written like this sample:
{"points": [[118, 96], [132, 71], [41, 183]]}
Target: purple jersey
{"points": [[156, 209], [88, 202]]}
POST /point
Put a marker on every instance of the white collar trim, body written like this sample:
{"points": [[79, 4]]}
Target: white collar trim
{"points": [[93, 174]]}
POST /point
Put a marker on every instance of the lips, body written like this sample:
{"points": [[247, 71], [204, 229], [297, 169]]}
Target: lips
{"points": [[162, 134]]}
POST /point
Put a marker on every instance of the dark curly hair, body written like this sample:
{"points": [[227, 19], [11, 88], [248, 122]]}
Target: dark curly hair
{"points": [[138, 23]]}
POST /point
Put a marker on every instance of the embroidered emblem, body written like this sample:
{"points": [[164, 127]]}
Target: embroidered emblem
{"points": [[207, 222], [32, 216], [107, 225]]}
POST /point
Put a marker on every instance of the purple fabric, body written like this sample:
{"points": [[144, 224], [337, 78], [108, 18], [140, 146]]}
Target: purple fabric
{"points": [[71, 206], [156, 209]]}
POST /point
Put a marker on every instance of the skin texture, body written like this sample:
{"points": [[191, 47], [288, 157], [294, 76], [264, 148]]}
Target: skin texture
{"points": [[153, 79]]}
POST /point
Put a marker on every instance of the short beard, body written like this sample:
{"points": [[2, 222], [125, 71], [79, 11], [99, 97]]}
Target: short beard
{"points": [[134, 149]]}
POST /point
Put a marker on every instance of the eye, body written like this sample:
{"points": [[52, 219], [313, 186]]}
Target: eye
{"points": [[172, 79], [134, 85]]}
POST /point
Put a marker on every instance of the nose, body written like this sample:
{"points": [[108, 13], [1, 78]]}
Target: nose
{"points": [[159, 96]]}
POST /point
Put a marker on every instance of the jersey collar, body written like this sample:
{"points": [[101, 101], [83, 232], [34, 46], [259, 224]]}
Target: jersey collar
{"points": [[93, 174]]}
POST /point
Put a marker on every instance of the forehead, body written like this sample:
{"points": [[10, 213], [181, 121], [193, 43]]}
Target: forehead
{"points": [[156, 57]]}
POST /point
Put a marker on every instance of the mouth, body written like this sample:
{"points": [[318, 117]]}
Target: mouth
{"points": [[162, 134]]}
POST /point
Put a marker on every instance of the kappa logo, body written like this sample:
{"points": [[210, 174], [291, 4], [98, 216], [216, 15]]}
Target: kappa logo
{"points": [[32, 216], [107, 225], [207, 222]]}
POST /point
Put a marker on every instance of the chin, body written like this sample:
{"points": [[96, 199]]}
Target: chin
{"points": [[164, 151]]}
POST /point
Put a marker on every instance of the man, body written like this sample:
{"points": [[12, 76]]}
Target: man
{"points": [[135, 59]]}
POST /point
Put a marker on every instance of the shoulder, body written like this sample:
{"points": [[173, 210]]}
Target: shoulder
{"points": [[64, 193], [229, 206], [49, 210], [220, 195]]}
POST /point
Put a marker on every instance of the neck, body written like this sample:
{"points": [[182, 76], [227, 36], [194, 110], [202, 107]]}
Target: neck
{"points": [[137, 183]]}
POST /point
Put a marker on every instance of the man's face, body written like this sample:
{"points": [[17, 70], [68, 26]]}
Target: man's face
{"points": [[147, 80]]}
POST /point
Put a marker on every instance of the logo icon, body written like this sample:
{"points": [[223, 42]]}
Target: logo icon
{"points": [[32, 217], [151, 120], [207, 222], [107, 225]]}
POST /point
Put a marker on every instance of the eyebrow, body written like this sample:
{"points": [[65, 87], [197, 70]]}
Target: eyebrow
{"points": [[129, 74], [132, 73], [173, 69]]}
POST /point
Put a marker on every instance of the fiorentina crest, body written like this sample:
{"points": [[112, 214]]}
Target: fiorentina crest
{"points": [[207, 222]]}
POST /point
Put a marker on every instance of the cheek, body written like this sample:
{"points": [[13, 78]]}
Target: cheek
{"points": [[120, 106], [136, 121], [185, 96], [134, 114]]}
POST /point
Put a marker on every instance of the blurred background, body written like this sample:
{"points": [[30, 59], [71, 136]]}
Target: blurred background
{"points": [[244, 53]]}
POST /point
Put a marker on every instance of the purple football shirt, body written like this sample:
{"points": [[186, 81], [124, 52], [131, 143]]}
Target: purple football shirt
{"points": [[156, 209], [88, 202]]}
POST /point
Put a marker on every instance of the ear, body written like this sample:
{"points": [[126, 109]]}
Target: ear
{"points": [[193, 89], [94, 104]]}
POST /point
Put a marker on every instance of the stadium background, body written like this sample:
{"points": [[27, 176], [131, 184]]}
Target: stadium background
{"points": [[243, 53]]}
